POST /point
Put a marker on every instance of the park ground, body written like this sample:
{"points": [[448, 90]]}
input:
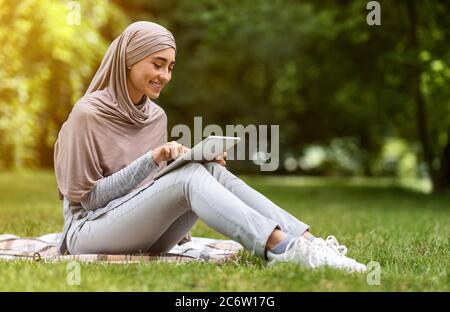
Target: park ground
{"points": [[404, 229]]}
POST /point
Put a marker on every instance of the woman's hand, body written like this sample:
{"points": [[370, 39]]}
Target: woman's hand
{"points": [[168, 151], [173, 149], [221, 159]]}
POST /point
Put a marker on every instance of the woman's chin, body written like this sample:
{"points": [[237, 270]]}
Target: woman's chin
{"points": [[153, 95], [152, 92]]}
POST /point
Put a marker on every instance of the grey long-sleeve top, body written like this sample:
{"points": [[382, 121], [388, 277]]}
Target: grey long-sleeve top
{"points": [[120, 183], [109, 188]]}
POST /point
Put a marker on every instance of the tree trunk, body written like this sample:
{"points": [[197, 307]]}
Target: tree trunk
{"points": [[444, 169], [421, 112]]}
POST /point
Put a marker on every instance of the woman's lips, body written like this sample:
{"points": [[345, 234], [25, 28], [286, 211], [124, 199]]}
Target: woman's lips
{"points": [[155, 85]]}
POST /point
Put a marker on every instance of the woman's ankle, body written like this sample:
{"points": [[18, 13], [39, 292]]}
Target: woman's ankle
{"points": [[275, 238]]}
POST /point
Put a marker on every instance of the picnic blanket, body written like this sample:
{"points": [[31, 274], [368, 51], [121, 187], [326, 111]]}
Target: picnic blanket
{"points": [[43, 248]]}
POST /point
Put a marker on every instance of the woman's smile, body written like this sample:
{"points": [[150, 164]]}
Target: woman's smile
{"points": [[156, 86]]}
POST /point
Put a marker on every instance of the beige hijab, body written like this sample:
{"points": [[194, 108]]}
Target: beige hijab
{"points": [[105, 131]]}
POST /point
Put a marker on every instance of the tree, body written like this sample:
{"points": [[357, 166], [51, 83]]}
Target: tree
{"points": [[47, 60]]}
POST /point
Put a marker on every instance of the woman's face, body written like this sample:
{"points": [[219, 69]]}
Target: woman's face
{"points": [[150, 75]]}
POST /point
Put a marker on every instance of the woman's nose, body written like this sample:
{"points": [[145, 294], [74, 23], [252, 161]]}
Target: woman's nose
{"points": [[165, 75]]}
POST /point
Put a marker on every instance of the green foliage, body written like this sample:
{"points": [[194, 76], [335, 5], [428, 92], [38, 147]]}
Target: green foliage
{"points": [[47, 60], [315, 68]]}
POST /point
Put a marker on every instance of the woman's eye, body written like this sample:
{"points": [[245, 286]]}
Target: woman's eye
{"points": [[157, 66]]}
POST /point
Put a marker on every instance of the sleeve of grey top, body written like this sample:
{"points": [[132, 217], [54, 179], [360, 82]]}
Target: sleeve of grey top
{"points": [[120, 183]]}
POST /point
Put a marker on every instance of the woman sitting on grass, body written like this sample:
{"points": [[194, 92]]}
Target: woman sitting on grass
{"points": [[114, 142]]}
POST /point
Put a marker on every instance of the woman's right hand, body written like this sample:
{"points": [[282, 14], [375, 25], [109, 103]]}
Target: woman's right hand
{"points": [[168, 151]]}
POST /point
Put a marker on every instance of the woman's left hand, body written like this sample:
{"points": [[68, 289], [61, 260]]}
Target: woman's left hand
{"points": [[221, 159]]}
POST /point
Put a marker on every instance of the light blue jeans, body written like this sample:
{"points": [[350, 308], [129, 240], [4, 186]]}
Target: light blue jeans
{"points": [[157, 216]]}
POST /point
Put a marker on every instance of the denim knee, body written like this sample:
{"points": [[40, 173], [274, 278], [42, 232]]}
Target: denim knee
{"points": [[212, 165], [192, 170], [192, 166]]}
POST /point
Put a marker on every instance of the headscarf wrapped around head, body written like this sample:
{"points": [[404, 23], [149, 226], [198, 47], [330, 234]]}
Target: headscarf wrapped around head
{"points": [[105, 131]]}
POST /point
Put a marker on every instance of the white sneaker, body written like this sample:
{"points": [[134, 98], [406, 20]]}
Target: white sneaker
{"points": [[318, 253], [337, 255], [299, 250]]}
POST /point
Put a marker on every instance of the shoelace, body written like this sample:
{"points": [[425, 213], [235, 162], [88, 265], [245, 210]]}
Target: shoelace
{"points": [[331, 252], [319, 256], [333, 243], [341, 250]]}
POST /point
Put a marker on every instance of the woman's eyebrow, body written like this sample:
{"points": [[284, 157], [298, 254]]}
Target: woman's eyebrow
{"points": [[164, 59]]}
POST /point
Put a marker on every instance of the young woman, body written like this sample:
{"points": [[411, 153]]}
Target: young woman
{"points": [[113, 143]]}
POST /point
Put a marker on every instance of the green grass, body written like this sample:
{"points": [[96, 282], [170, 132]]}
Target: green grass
{"points": [[406, 231]]}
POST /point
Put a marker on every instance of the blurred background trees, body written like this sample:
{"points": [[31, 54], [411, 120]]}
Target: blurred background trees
{"points": [[350, 99], [46, 64]]}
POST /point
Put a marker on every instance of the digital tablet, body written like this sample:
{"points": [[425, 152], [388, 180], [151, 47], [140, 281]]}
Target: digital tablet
{"points": [[207, 150]]}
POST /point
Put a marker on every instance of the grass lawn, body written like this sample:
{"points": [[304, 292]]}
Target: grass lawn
{"points": [[406, 231]]}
